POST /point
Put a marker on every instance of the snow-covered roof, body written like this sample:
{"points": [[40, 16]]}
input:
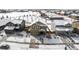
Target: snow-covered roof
{"points": [[63, 29], [74, 14], [50, 14], [4, 21], [17, 21], [9, 27], [61, 22], [39, 21]]}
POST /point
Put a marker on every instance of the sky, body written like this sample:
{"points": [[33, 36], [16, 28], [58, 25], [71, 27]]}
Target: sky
{"points": [[36, 4]]}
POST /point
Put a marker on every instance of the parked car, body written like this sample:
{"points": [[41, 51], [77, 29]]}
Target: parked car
{"points": [[5, 46]]}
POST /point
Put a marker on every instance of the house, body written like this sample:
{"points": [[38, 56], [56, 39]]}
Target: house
{"points": [[39, 25], [14, 25], [19, 24], [62, 24], [75, 16], [38, 28]]}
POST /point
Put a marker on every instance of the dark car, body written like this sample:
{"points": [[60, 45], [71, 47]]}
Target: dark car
{"points": [[6, 47]]}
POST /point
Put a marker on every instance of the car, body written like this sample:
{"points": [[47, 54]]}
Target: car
{"points": [[5, 46]]}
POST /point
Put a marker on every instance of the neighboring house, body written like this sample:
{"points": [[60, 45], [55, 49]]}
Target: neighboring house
{"points": [[64, 28], [75, 17], [14, 25], [62, 24], [19, 24]]}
